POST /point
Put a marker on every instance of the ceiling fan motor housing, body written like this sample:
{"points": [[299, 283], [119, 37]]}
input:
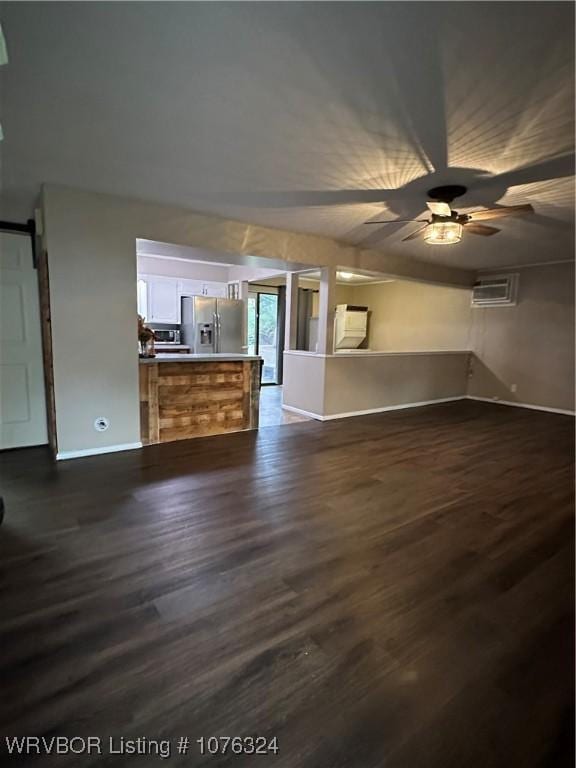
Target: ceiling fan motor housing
{"points": [[460, 218], [447, 193]]}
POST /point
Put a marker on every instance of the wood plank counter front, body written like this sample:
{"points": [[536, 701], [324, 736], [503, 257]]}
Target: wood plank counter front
{"points": [[191, 398]]}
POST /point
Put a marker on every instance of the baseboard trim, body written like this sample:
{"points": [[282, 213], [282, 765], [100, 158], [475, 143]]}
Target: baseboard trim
{"points": [[301, 412], [399, 407], [63, 455], [531, 407], [367, 412]]}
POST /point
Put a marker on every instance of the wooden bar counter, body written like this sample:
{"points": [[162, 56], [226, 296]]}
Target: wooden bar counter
{"points": [[197, 395]]}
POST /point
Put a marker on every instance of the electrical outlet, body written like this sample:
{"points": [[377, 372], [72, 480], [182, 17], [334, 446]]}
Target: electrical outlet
{"points": [[101, 424], [513, 388]]}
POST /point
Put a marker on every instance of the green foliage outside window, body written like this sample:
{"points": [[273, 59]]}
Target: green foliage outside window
{"points": [[268, 318]]}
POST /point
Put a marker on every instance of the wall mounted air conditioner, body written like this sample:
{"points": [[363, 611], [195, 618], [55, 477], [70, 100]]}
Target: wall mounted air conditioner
{"points": [[495, 291]]}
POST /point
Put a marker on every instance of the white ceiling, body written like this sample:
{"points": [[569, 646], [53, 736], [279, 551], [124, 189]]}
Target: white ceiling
{"points": [[240, 108], [345, 277]]}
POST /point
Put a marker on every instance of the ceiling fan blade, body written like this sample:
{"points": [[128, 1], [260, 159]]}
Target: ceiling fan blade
{"points": [[498, 213], [552, 168], [397, 221], [440, 209], [415, 234], [480, 229], [320, 198]]}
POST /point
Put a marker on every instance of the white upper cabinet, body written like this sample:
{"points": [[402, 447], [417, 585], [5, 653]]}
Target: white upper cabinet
{"points": [[143, 297], [218, 290], [202, 288], [189, 287], [159, 297], [163, 300]]}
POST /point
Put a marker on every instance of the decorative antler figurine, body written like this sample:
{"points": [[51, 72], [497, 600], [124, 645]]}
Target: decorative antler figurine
{"points": [[146, 339]]}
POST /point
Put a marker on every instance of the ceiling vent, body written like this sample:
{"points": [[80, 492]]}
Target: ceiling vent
{"points": [[495, 291]]}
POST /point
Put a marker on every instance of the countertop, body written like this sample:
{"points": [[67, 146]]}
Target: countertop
{"points": [[161, 345], [363, 353], [221, 357]]}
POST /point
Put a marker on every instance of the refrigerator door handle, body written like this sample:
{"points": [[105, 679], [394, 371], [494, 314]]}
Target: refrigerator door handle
{"points": [[216, 324]]}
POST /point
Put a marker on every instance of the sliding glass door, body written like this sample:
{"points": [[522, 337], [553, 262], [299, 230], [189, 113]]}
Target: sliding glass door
{"points": [[263, 332]]}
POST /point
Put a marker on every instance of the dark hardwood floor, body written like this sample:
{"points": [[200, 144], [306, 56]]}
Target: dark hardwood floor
{"points": [[392, 590]]}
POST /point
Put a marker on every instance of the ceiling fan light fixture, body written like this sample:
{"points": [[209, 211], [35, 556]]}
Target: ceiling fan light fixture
{"points": [[443, 233]]}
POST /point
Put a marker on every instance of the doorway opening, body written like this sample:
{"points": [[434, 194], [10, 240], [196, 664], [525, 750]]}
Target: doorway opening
{"points": [[263, 333]]}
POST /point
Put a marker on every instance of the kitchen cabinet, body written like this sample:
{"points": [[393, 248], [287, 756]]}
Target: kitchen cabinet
{"points": [[163, 300], [217, 290], [159, 297], [142, 297], [202, 288], [158, 301]]}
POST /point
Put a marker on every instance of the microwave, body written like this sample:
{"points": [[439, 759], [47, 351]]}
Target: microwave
{"points": [[167, 337]]}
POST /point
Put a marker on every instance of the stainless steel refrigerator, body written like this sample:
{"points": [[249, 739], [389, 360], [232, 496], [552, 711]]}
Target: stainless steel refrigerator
{"points": [[210, 326]]}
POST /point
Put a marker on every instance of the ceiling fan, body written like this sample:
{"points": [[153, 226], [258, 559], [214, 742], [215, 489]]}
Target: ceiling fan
{"points": [[445, 227]]}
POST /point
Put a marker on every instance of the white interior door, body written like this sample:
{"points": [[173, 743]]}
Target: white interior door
{"points": [[22, 401]]}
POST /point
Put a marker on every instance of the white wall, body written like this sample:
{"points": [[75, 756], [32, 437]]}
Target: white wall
{"points": [[336, 385], [371, 382], [148, 265], [529, 347], [303, 385], [251, 273], [410, 316], [92, 269]]}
